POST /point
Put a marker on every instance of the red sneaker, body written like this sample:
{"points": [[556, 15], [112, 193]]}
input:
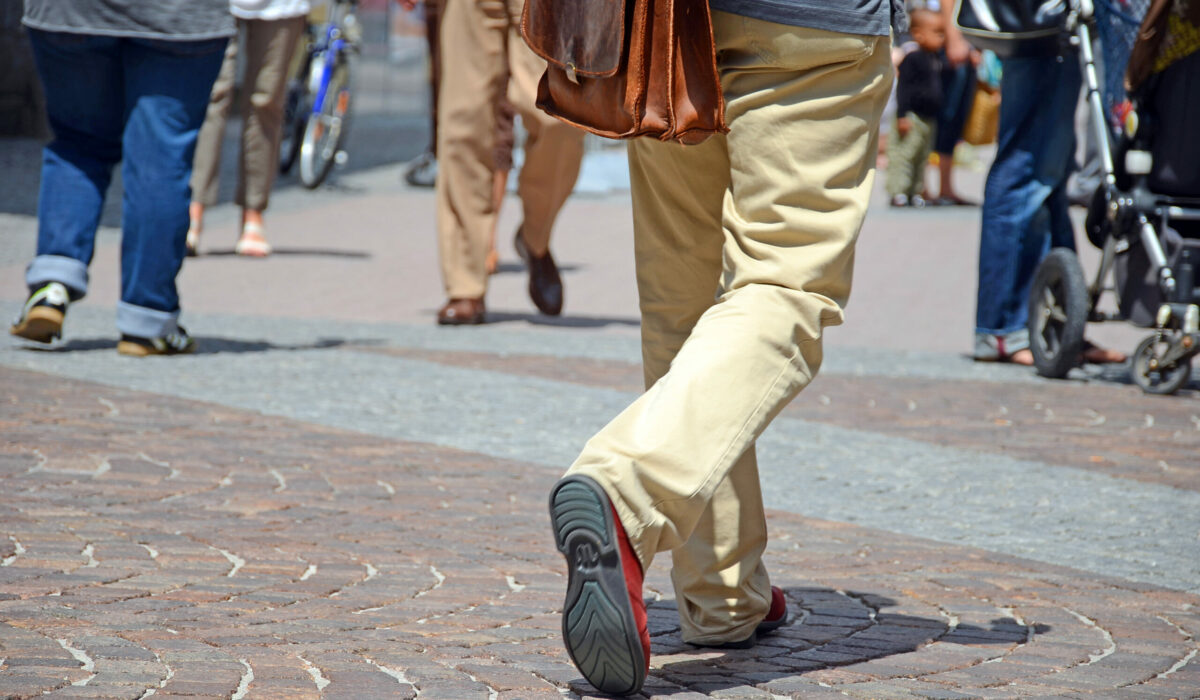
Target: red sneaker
{"points": [[776, 617], [604, 615]]}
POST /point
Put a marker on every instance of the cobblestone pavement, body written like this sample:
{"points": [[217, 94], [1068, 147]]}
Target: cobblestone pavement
{"points": [[163, 544], [335, 498]]}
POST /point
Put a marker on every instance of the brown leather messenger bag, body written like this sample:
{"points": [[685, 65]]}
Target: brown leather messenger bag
{"points": [[626, 68]]}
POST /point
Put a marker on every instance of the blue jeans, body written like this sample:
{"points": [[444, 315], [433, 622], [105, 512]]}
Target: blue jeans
{"points": [[958, 94], [1024, 201], [135, 101]]}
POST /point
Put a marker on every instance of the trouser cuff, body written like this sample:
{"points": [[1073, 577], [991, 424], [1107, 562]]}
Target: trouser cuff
{"points": [[71, 273], [142, 322], [993, 346]]}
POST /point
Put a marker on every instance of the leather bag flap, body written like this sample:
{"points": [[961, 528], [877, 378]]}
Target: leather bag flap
{"points": [[582, 37]]}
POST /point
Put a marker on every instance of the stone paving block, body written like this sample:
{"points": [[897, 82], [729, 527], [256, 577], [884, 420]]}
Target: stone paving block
{"points": [[38, 665], [112, 692], [796, 687], [724, 691], [199, 687], [25, 684]]}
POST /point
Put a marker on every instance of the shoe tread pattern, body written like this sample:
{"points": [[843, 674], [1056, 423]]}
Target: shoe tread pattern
{"points": [[576, 508], [596, 637], [598, 623]]}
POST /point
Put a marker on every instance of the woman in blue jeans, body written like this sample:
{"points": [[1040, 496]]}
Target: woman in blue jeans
{"points": [[1025, 202], [124, 82]]}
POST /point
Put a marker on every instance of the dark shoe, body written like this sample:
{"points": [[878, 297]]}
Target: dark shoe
{"points": [[545, 284], [462, 312], [421, 171], [954, 201], [776, 617], [604, 615], [177, 343], [41, 318]]}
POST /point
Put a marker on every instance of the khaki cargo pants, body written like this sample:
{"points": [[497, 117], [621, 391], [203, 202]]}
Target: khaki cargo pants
{"points": [[745, 248]]}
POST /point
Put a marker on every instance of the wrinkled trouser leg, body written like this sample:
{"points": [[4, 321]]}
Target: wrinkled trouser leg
{"points": [[745, 247], [489, 54]]}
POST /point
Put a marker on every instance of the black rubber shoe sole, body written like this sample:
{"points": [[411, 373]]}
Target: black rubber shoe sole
{"points": [[599, 627]]}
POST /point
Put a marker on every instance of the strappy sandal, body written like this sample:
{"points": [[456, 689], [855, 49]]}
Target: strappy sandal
{"points": [[252, 243]]}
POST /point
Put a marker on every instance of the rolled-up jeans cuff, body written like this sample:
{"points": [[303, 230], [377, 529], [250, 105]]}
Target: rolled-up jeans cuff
{"points": [[990, 345], [1016, 340], [67, 271], [142, 322]]}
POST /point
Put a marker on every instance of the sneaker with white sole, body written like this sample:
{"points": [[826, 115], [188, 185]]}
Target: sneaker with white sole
{"points": [[41, 318], [177, 343]]}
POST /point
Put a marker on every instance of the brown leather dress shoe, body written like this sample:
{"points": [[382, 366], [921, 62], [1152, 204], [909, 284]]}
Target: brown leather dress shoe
{"points": [[462, 312], [545, 284]]}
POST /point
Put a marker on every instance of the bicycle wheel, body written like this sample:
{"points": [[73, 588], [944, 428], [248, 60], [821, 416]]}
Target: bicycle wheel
{"points": [[295, 108], [326, 127]]}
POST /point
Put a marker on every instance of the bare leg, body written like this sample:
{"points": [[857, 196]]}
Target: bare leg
{"points": [[195, 226], [499, 185], [946, 176]]}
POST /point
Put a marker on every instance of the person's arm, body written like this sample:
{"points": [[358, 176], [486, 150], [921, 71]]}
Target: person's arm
{"points": [[957, 48]]}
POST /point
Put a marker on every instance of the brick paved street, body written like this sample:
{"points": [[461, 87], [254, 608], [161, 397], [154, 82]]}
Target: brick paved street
{"points": [[335, 498]]}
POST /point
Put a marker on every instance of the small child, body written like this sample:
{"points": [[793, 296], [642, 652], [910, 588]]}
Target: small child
{"points": [[918, 101]]}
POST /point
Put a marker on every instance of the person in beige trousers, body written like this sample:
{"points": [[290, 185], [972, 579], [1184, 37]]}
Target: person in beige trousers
{"points": [[744, 249], [270, 31], [481, 45]]}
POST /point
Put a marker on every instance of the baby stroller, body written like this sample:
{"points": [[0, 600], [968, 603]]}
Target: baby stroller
{"points": [[1145, 217]]}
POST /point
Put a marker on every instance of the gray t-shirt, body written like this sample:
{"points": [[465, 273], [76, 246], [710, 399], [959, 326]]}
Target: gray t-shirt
{"points": [[174, 20], [874, 17]]}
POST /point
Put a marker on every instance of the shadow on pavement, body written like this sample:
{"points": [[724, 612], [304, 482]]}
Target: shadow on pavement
{"points": [[513, 268], [495, 317], [292, 252], [1123, 374], [1117, 373], [205, 345], [840, 628]]}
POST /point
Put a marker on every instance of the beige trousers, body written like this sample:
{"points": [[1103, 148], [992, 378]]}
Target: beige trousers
{"points": [[480, 45], [269, 45], [744, 247]]}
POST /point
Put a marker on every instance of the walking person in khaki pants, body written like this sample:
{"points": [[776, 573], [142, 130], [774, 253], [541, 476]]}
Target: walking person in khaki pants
{"points": [[744, 247], [270, 30], [481, 45]]}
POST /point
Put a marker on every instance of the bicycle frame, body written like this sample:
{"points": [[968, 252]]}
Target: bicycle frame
{"points": [[329, 49]]}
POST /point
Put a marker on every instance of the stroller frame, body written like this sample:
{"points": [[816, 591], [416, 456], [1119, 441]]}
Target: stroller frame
{"points": [[1060, 304]]}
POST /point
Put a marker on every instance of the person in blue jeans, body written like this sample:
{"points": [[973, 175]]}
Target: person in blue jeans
{"points": [[124, 82], [1025, 202]]}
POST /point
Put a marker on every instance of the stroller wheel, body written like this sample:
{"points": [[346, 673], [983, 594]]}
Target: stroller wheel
{"points": [[1058, 312], [1153, 377]]}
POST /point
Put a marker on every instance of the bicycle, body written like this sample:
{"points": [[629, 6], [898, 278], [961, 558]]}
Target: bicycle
{"points": [[317, 106]]}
